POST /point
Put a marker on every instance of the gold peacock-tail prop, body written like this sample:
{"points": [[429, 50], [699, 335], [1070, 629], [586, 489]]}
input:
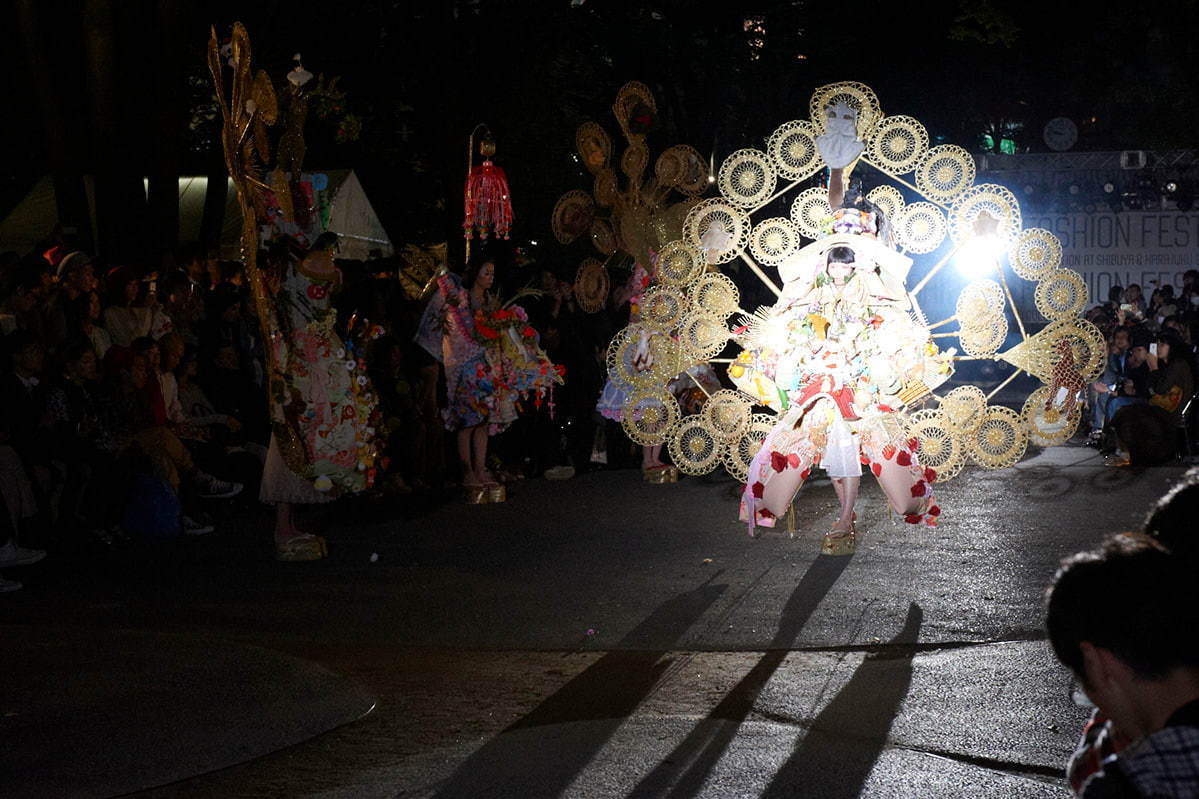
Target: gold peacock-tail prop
{"points": [[937, 211]]}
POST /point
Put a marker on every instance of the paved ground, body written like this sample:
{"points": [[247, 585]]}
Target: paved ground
{"points": [[606, 637]]}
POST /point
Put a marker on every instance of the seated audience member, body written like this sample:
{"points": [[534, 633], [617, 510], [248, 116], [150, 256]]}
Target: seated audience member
{"points": [[128, 316], [18, 306], [1117, 618], [1115, 296], [182, 303], [23, 405], [132, 407], [1148, 431], [1134, 297], [87, 312], [18, 505], [12, 555], [76, 276], [1108, 386]]}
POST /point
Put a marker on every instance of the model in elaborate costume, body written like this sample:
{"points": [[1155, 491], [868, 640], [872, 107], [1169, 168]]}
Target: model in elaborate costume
{"points": [[616, 392], [834, 356], [492, 358], [322, 409]]}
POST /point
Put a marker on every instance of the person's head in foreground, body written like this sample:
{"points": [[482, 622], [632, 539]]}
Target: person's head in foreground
{"points": [[1124, 619]]}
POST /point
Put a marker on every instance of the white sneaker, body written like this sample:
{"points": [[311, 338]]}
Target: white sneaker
{"points": [[193, 527], [9, 585], [13, 555], [213, 488]]}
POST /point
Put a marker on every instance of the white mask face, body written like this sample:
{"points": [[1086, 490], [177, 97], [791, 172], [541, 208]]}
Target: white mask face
{"points": [[842, 120]]}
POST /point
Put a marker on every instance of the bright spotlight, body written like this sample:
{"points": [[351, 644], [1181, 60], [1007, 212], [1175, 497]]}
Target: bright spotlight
{"points": [[979, 255]]}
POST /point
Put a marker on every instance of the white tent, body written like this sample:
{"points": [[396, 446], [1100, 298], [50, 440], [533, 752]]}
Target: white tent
{"points": [[351, 216]]}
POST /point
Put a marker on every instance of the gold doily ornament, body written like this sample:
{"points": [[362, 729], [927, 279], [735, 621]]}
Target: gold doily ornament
{"points": [[1002, 213], [725, 227], [1048, 424], [573, 216], [591, 285], [810, 212], [680, 264], [963, 407], [1035, 252], [927, 193], [715, 294], [858, 96], [944, 172], [1000, 440], [747, 178], [792, 148], [702, 335], [649, 415], [594, 146], [603, 237], [888, 199], [939, 444], [727, 414], [920, 227], [898, 144], [1061, 294], [980, 314], [694, 449], [632, 210], [740, 453], [662, 308], [772, 240]]}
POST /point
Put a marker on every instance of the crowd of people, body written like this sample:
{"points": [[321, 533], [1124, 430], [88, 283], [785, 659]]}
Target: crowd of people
{"points": [[133, 402], [1139, 410]]}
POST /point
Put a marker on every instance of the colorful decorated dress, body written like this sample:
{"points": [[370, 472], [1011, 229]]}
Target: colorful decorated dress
{"points": [[492, 358], [323, 411], [837, 362], [617, 392]]}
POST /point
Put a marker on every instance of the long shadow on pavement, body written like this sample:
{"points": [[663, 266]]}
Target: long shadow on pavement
{"points": [[835, 758], [684, 771], [604, 694]]}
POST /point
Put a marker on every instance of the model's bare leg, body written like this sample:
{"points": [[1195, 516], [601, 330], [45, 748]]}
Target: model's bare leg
{"points": [[651, 456], [479, 453], [847, 492], [285, 523], [469, 478]]}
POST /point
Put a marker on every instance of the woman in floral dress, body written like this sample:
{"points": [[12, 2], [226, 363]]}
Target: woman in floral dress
{"points": [[491, 358], [322, 407]]}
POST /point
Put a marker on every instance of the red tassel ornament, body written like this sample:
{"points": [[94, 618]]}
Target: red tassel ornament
{"points": [[488, 202]]}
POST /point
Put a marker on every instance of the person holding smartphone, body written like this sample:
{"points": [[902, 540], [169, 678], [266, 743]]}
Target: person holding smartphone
{"points": [[1147, 430]]}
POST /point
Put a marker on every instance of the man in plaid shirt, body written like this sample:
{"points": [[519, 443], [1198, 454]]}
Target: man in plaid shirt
{"points": [[1124, 620]]}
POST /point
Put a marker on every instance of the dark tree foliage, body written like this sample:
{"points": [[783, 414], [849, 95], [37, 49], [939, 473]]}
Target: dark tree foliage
{"points": [[123, 86]]}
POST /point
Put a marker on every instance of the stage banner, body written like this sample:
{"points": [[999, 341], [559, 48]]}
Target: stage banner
{"points": [[1149, 248]]}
